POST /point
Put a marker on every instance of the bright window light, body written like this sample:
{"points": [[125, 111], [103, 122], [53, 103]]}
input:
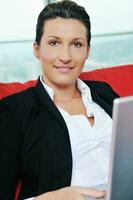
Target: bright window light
{"points": [[18, 19], [109, 16]]}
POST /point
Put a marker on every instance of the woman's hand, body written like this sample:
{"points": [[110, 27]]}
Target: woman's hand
{"points": [[71, 193]]}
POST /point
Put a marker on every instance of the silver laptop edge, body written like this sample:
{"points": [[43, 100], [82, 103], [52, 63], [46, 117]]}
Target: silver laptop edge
{"points": [[121, 106]]}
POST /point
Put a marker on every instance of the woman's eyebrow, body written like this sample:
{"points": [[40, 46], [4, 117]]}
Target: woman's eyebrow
{"points": [[52, 36], [79, 38], [56, 37]]}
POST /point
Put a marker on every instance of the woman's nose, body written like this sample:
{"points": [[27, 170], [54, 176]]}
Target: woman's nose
{"points": [[65, 55]]}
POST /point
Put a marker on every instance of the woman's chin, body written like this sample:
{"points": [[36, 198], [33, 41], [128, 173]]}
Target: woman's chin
{"points": [[65, 82]]}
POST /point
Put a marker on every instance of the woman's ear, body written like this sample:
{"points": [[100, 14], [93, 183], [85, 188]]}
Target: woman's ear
{"points": [[36, 50]]}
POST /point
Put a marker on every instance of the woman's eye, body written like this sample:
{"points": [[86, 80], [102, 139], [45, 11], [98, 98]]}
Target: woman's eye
{"points": [[77, 44], [53, 43]]}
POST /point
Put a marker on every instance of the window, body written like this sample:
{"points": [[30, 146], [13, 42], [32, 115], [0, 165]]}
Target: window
{"points": [[17, 22], [18, 19]]}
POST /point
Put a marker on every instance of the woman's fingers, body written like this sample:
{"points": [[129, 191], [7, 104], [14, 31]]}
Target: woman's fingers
{"points": [[92, 192], [71, 193]]}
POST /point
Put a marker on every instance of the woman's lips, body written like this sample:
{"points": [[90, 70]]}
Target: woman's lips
{"points": [[63, 68]]}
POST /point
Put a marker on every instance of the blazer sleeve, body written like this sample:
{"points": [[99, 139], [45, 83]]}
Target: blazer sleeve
{"points": [[9, 151]]}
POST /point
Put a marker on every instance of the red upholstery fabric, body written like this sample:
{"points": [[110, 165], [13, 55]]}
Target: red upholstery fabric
{"points": [[7, 89], [119, 77]]}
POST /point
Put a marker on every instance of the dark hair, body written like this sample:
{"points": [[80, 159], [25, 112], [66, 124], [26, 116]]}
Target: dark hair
{"points": [[65, 9]]}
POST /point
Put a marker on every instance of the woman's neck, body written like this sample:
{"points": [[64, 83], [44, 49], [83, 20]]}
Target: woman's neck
{"points": [[63, 93], [66, 94]]}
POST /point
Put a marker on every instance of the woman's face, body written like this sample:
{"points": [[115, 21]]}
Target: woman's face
{"points": [[63, 51]]}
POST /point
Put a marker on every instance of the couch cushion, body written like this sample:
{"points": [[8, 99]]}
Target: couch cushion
{"points": [[120, 78], [7, 89]]}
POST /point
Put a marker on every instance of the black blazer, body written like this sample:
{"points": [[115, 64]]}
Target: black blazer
{"points": [[34, 141]]}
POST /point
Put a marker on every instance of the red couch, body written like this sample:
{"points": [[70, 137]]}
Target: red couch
{"points": [[119, 77]]}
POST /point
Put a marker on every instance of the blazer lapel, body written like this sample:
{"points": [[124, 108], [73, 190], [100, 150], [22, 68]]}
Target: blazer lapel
{"points": [[48, 103]]}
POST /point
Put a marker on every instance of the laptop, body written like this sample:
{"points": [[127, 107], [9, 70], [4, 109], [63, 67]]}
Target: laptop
{"points": [[120, 181]]}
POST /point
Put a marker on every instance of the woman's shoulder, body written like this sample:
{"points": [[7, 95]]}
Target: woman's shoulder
{"points": [[101, 88], [97, 84], [18, 95], [19, 101]]}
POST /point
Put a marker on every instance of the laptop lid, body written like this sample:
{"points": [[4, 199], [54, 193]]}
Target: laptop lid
{"points": [[120, 185]]}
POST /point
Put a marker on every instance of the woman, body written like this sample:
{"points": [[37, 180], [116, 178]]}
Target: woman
{"points": [[55, 136]]}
